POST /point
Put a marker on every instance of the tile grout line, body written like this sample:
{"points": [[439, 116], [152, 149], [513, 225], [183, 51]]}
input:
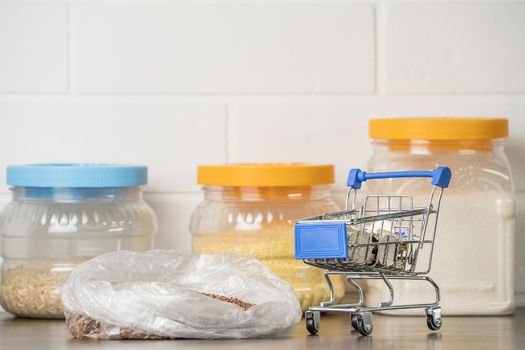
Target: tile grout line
{"points": [[231, 111], [69, 44], [251, 96], [72, 68], [226, 132], [380, 22]]}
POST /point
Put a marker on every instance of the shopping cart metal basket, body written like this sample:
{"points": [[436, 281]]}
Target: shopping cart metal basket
{"points": [[386, 238]]}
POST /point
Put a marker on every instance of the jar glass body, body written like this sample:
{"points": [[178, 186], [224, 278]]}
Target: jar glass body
{"points": [[46, 232], [473, 259], [259, 221]]}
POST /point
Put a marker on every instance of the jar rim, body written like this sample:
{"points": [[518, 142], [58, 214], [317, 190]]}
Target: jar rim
{"points": [[74, 194], [440, 145]]}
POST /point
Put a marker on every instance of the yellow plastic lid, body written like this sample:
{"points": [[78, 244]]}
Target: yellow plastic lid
{"points": [[439, 129], [265, 174]]}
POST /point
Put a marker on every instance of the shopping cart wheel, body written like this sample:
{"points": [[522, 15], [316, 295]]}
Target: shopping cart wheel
{"points": [[434, 320], [313, 321], [364, 323], [353, 319]]}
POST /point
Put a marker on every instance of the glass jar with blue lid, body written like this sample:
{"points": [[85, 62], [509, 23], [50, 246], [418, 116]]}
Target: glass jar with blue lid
{"points": [[61, 215]]}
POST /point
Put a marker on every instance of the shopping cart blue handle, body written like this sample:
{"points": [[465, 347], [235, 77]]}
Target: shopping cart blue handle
{"points": [[440, 176]]}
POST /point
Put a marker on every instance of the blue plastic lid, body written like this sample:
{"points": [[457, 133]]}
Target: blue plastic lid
{"points": [[76, 175]]}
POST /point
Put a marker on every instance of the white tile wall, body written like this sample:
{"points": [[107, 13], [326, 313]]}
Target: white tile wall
{"points": [[305, 130], [173, 212], [180, 48], [171, 137], [334, 129], [177, 83], [455, 47], [33, 47]]}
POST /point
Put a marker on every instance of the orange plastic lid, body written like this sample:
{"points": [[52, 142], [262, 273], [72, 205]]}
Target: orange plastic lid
{"points": [[269, 174], [439, 129]]}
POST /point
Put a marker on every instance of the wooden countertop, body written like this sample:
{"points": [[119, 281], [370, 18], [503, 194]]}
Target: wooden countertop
{"points": [[336, 333]]}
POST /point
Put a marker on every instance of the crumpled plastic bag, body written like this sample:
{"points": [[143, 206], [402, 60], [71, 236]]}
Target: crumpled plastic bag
{"points": [[161, 294]]}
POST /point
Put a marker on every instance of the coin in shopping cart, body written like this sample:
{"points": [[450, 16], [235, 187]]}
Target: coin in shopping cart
{"points": [[362, 253], [371, 257], [400, 263], [387, 252]]}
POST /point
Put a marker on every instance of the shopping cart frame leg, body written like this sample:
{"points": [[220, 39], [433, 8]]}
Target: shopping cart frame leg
{"points": [[360, 316], [390, 291], [332, 291], [390, 304], [384, 306], [361, 301]]}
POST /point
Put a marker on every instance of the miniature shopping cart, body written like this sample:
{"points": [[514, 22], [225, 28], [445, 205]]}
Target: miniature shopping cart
{"points": [[387, 238]]}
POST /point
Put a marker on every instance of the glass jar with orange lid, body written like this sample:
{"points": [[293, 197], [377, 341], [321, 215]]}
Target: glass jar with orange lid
{"points": [[473, 261], [250, 209]]}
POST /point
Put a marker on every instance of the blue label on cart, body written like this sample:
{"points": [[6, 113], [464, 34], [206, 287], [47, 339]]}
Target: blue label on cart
{"points": [[320, 240]]}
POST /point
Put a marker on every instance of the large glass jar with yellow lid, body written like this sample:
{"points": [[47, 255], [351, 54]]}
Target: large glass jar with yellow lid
{"points": [[473, 260], [250, 209]]}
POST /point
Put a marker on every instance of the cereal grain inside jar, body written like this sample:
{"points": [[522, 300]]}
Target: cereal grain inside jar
{"points": [[33, 290]]}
